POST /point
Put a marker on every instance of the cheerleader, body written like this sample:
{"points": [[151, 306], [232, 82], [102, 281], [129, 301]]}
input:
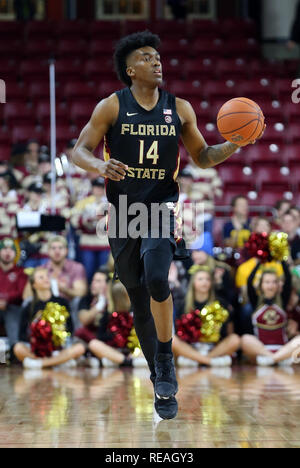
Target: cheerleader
{"points": [[217, 341], [269, 343], [95, 313], [32, 312]]}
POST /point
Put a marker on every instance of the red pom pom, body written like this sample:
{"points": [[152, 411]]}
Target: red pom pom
{"points": [[258, 246], [120, 325], [189, 327], [41, 339]]}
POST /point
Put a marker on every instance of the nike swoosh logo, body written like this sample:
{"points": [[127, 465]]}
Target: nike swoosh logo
{"points": [[129, 115]]}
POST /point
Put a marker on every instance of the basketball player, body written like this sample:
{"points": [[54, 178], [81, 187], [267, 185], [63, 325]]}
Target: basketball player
{"points": [[142, 125]]}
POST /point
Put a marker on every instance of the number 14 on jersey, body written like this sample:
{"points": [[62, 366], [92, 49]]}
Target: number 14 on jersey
{"points": [[152, 152]]}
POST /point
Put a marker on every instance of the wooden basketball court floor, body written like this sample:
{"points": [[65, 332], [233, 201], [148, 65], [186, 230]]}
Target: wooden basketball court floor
{"points": [[245, 407]]}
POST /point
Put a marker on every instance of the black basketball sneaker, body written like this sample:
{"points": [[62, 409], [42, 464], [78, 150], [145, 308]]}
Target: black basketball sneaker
{"points": [[165, 408], [165, 383]]}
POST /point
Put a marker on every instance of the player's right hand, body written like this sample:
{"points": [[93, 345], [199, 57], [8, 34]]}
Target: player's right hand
{"points": [[114, 170]]}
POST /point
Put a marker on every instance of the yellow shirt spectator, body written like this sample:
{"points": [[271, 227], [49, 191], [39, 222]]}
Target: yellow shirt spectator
{"points": [[244, 270]]}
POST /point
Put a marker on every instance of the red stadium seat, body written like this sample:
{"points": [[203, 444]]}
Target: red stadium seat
{"points": [[243, 48], [296, 199], [68, 70], [95, 70], [9, 49], [235, 173], [5, 137], [273, 111], [38, 90], [291, 153], [202, 109], [205, 48], [271, 178], [292, 112], [292, 66], [240, 28], [232, 69], [186, 89], [242, 187], [64, 133], [79, 91], [174, 49], [257, 90], [11, 30], [24, 133], [206, 28], [37, 49], [8, 67], [204, 68], [294, 167], [221, 90], [43, 113], [34, 70], [270, 198], [211, 134], [274, 133], [39, 30], [293, 133], [170, 28], [284, 89], [18, 114], [132, 26], [5, 152], [101, 48], [172, 69], [105, 30], [233, 192], [216, 105], [271, 69], [15, 93], [77, 49], [81, 112], [106, 88], [71, 30], [264, 153]]}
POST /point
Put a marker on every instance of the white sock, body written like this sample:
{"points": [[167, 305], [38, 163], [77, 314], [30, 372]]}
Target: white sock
{"points": [[264, 361], [185, 362], [30, 363], [221, 361]]}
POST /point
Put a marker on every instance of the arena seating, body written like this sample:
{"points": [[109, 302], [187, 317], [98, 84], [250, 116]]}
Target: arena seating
{"points": [[205, 61]]}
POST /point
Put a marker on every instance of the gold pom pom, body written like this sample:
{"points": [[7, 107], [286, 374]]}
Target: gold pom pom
{"points": [[212, 316], [279, 246], [57, 315], [133, 343]]}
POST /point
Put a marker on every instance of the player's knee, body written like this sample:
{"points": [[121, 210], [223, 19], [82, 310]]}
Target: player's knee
{"points": [[159, 289]]}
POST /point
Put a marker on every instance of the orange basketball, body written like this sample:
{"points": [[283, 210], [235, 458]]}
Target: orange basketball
{"points": [[240, 120]]}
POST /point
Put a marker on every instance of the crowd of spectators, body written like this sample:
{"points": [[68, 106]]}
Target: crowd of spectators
{"points": [[74, 265]]}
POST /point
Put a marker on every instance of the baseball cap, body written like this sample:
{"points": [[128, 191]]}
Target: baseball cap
{"points": [[36, 187], [6, 243], [185, 173], [72, 143], [47, 179], [99, 182]]}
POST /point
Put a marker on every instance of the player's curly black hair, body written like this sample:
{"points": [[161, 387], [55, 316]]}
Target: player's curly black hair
{"points": [[128, 44]]}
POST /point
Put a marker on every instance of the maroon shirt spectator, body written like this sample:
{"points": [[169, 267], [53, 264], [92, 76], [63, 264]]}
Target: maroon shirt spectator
{"points": [[68, 277], [12, 285]]}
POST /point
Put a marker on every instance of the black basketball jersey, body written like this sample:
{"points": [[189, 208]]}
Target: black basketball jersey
{"points": [[148, 142]]}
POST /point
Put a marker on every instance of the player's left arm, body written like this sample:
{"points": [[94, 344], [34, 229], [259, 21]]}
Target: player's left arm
{"points": [[203, 155]]}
